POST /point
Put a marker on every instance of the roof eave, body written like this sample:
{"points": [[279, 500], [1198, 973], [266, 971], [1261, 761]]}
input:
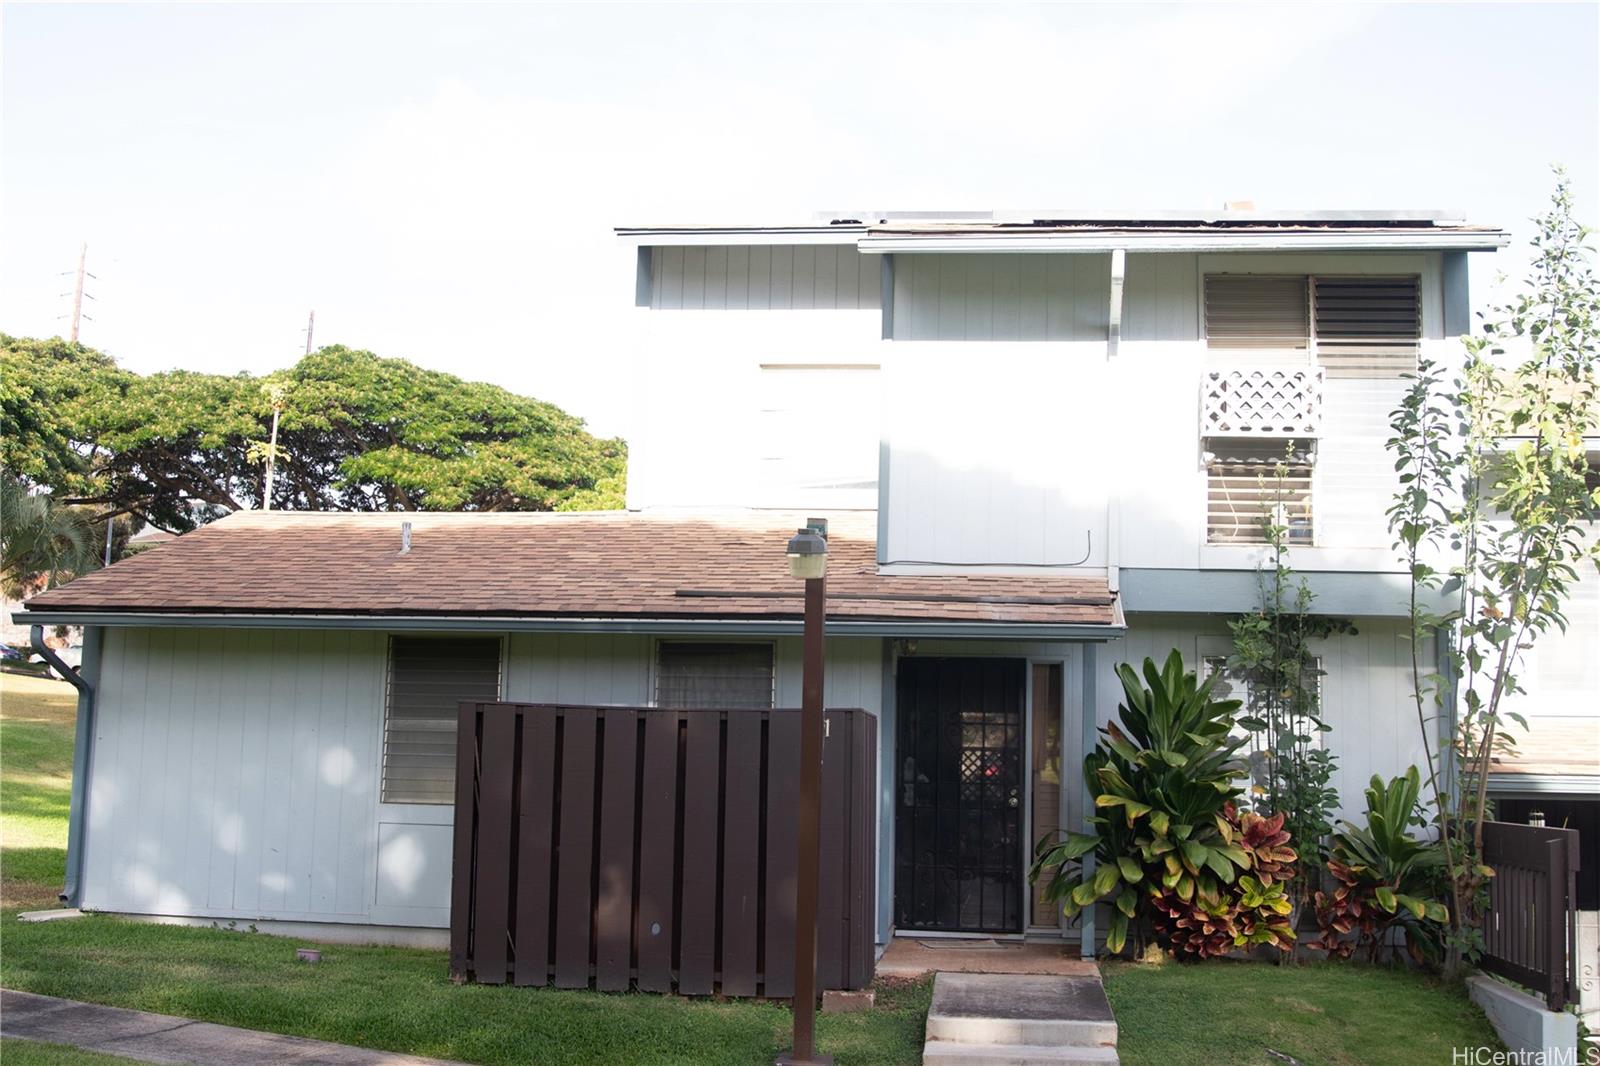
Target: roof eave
{"points": [[1331, 241], [739, 235], [843, 627]]}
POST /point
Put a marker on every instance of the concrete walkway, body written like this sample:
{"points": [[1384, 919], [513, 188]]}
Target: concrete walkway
{"points": [[163, 1038]]}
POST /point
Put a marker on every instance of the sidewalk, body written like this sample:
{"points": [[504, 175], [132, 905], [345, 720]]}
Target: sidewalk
{"points": [[164, 1038]]}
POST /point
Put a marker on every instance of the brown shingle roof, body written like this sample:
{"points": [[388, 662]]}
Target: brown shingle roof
{"points": [[592, 565]]}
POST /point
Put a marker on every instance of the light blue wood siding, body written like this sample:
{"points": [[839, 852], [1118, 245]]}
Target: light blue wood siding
{"points": [[1001, 297], [235, 772], [764, 278]]}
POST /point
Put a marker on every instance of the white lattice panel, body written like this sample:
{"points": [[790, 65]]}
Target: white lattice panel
{"points": [[1261, 402]]}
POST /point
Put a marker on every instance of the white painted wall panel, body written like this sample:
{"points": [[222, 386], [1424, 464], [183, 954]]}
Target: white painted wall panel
{"points": [[987, 445]]}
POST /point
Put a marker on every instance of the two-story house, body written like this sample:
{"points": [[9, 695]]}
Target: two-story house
{"points": [[1040, 443]]}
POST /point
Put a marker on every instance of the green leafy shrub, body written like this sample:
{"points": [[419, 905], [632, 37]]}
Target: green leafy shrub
{"points": [[1385, 878], [1169, 841]]}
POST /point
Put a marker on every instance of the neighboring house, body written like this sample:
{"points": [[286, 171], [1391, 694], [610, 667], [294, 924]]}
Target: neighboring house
{"points": [[1038, 443]]}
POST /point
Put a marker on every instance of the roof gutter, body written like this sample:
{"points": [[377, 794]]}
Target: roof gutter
{"points": [[1099, 242], [82, 748], [660, 237], [764, 627]]}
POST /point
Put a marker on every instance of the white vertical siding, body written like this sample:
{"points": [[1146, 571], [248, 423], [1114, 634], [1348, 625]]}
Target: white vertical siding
{"points": [[227, 779], [1001, 297], [764, 278]]}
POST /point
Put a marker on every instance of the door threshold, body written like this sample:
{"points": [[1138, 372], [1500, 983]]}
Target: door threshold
{"points": [[944, 934]]}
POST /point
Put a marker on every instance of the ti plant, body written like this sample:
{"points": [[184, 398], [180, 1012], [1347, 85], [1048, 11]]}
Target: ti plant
{"points": [[1385, 877], [1167, 838]]}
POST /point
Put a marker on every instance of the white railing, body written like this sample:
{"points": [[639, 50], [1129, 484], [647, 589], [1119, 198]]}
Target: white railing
{"points": [[1261, 401]]}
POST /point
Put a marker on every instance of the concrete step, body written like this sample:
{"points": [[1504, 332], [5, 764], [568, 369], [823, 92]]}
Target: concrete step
{"points": [[956, 1053], [1020, 1009]]}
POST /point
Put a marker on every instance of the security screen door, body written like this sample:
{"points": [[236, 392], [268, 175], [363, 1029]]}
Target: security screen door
{"points": [[959, 809]]}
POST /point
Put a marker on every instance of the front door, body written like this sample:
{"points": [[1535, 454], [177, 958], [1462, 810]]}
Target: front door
{"points": [[958, 823]]}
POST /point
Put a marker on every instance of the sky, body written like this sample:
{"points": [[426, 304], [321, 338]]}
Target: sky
{"points": [[439, 182]]}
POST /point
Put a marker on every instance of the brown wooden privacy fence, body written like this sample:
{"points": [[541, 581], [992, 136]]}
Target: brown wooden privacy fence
{"points": [[1530, 932], [618, 844]]}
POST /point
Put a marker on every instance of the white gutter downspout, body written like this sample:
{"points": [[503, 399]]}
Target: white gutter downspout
{"points": [[1119, 266], [83, 680]]}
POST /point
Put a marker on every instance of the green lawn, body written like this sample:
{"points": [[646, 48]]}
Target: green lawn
{"points": [[36, 725], [1330, 1014], [402, 1000]]}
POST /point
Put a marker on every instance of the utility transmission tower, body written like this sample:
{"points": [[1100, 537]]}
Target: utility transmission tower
{"points": [[78, 294], [311, 324]]}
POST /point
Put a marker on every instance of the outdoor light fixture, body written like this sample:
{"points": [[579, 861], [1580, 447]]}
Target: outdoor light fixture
{"points": [[808, 551]]}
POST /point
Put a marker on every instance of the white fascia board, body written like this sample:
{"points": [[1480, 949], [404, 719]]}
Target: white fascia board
{"points": [[1544, 784], [765, 627], [799, 235], [1198, 242]]}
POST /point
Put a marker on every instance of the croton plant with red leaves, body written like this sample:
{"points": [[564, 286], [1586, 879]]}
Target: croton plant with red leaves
{"points": [[1201, 918]]}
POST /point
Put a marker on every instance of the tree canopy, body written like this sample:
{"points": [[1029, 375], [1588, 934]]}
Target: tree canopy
{"points": [[356, 432]]}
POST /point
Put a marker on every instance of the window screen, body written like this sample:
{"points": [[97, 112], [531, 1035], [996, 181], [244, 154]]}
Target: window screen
{"points": [[428, 677], [714, 676], [1244, 493]]}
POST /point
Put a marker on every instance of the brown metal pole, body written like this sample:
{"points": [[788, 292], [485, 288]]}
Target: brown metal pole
{"points": [[809, 842]]}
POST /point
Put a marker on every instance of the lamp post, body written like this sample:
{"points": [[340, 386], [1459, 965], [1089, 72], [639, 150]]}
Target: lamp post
{"points": [[808, 560]]}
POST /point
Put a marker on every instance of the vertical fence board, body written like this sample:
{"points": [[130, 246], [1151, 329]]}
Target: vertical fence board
{"points": [[697, 935], [575, 850], [491, 913], [614, 908], [783, 780], [463, 871], [741, 840], [657, 843], [830, 899], [608, 867], [534, 843]]}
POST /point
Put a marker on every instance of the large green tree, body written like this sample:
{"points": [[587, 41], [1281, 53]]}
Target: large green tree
{"points": [[356, 432]]}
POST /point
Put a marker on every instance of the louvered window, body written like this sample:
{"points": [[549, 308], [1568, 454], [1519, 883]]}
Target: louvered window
{"points": [[1357, 326], [1249, 312], [1252, 483], [1367, 327], [428, 678], [713, 676]]}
